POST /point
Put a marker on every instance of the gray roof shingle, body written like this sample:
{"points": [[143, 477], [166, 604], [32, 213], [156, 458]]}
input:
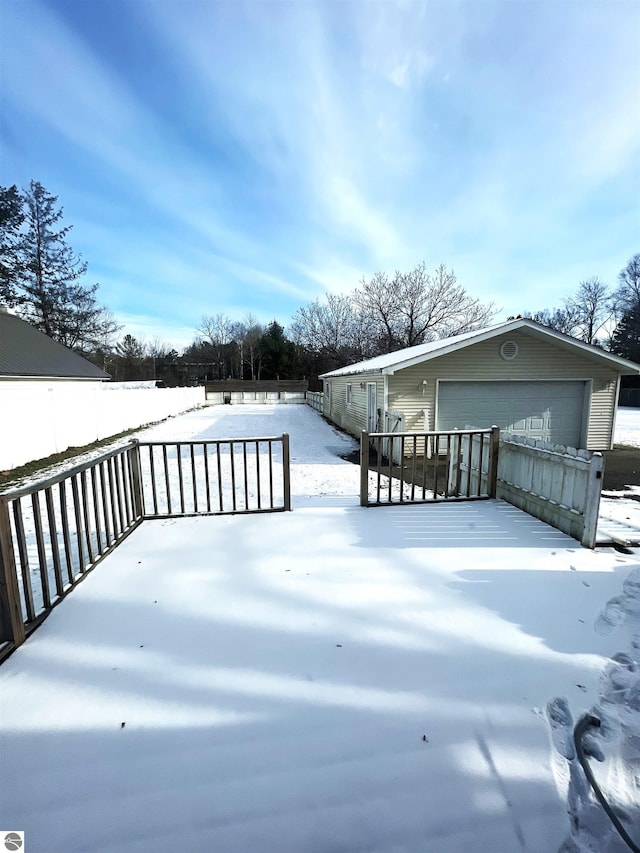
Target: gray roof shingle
{"points": [[26, 352]]}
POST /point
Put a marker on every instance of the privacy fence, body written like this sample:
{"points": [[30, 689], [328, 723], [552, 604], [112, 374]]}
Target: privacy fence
{"points": [[43, 418], [241, 392], [557, 484], [315, 399], [54, 532]]}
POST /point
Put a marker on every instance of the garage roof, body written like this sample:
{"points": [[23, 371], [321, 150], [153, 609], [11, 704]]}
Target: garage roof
{"points": [[27, 353], [391, 362]]}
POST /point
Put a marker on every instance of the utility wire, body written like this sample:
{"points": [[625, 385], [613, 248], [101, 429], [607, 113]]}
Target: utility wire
{"points": [[582, 725]]}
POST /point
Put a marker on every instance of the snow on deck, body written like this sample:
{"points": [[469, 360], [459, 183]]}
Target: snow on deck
{"points": [[335, 679]]}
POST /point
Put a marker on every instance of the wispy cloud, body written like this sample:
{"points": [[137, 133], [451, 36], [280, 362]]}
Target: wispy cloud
{"points": [[243, 156]]}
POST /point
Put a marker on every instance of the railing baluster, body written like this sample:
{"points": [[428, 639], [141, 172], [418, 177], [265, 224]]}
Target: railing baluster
{"points": [[24, 560], [413, 468], [246, 479], [258, 473], [219, 477], [114, 495], [436, 459], [152, 470], [469, 461], [78, 518], [167, 482], [480, 461], [53, 541], [85, 510], [194, 481], [270, 474], [96, 509], [122, 475], [233, 476], [378, 441], [205, 456], [180, 479], [12, 633], [105, 504], [42, 557], [66, 536]]}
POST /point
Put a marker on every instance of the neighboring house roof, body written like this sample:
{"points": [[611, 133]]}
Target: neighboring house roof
{"points": [[27, 353], [409, 356]]}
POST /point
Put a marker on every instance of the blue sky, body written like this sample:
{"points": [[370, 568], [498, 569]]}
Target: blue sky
{"points": [[233, 157]]}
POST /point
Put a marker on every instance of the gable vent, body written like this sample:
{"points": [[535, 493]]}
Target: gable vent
{"points": [[509, 350]]}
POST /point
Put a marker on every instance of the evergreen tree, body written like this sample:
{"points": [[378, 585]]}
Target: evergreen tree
{"points": [[279, 359], [11, 218], [44, 275], [625, 340]]}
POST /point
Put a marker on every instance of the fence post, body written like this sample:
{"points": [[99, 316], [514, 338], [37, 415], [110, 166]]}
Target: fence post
{"points": [[494, 452], [364, 468], [592, 502], [286, 471], [134, 458], [11, 622]]}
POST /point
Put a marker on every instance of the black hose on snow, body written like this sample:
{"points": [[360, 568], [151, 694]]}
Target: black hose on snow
{"points": [[581, 726]]}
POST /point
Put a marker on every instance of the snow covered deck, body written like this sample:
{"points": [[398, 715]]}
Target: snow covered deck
{"points": [[332, 679]]}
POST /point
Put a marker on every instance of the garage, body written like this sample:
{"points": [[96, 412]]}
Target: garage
{"points": [[550, 411]]}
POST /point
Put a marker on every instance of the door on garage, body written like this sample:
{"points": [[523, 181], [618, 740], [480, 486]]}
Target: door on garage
{"points": [[551, 411]]}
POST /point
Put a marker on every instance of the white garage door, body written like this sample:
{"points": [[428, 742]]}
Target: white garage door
{"points": [[551, 411]]}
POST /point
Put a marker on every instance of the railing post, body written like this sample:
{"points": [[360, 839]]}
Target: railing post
{"points": [[364, 468], [494, 452], [134, 458], [592, 502], [286, 471], [11, 622]]}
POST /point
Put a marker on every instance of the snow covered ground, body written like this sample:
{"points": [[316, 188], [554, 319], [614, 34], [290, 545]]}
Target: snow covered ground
{"points": [[331, 679], [627, 426], [623, 507]]}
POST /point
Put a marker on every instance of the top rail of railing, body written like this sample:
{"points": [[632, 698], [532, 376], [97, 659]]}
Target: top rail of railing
{"points": [[37, 485], [201, 441]]}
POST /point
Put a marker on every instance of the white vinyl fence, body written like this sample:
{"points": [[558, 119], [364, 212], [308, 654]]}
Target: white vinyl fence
{"points": [[315, 399], [557, 484], [41, 418], [239, 398]]}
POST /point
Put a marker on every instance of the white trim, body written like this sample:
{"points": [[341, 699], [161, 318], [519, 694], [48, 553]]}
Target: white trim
{"points": [[615, 413], [411, 356]]}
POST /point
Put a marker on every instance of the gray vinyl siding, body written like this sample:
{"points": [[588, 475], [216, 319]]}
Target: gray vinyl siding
{"points": [[536, 360], [352, 417]]}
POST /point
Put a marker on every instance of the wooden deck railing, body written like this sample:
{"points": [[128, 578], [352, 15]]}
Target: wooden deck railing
{"points": [[53, 532], [421, 467], [218, 477]]}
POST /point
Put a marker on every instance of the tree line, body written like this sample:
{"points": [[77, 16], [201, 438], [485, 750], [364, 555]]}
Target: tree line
{"points": [[42, 278], [601, 315]]}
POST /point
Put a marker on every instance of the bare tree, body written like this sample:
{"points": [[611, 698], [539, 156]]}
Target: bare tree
{"points": [[561, 319], [627, 295], [217, 329], [592, 308], [247, 334], [419, 306], [584, 315], [332, 327]]}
